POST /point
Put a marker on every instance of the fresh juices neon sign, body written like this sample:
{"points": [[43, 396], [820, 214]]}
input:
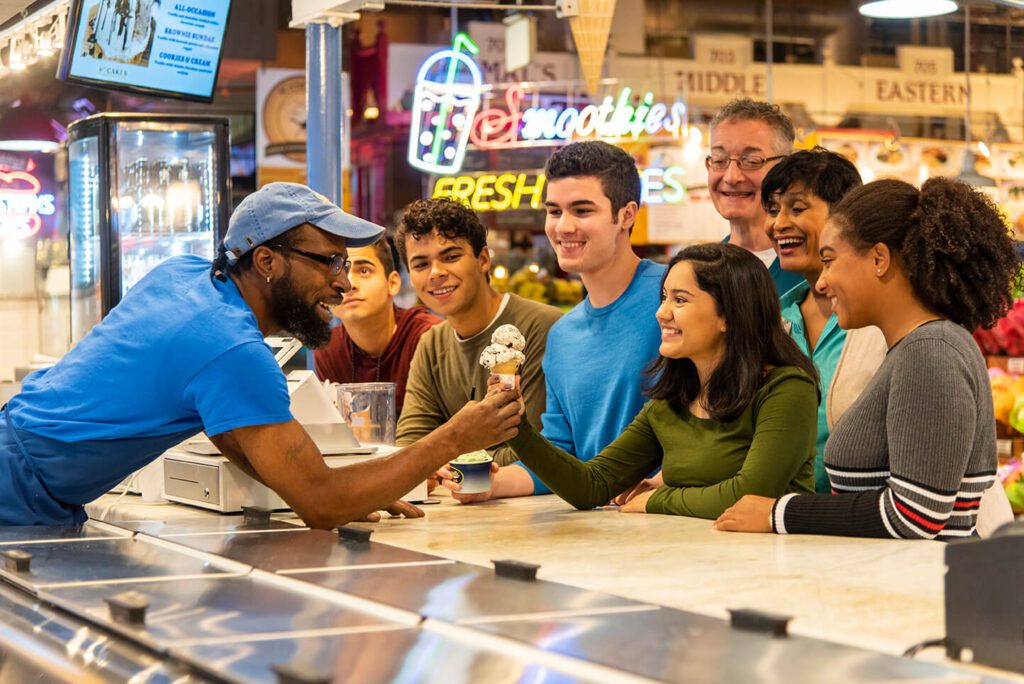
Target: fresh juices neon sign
{"points": [[449, 92], [508, 191], [22, 205]]}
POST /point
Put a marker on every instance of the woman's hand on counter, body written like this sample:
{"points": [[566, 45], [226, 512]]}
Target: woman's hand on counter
{"points": [[749, 514], [647, 485], [637, 504]]}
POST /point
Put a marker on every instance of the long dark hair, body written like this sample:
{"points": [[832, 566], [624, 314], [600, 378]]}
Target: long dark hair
{"points": [[754, 338]]}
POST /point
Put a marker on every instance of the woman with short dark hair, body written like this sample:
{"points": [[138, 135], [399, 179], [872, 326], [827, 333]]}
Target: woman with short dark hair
{"points": [[913, 456], [732, 411], [798, 194]]}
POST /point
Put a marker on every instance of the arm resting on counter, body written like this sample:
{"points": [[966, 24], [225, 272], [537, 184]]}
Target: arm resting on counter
{"points": [[619, 466], [228, 447], [783, 443]]}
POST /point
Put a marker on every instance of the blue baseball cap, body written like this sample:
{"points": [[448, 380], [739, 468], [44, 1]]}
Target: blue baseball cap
{"points": [[278, 207]]}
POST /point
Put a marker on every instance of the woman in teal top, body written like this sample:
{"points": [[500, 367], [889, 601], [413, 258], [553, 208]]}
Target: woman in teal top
{"points": [[798, 194], [732, 410]]}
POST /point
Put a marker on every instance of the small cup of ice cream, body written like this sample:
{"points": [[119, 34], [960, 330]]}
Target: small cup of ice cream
{"points": [[472, 472]]}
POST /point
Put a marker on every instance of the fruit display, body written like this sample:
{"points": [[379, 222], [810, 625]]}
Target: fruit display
{"points": [[537, 285], [1011, 474], [1007, 336], [1006, 390]]}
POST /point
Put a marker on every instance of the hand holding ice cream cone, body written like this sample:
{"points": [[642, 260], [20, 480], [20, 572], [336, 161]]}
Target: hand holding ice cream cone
{"points": [[503, 358], [496, 385]]}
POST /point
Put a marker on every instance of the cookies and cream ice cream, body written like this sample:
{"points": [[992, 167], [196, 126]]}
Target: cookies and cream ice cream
{"points": [[509, 336], [505, 355]]}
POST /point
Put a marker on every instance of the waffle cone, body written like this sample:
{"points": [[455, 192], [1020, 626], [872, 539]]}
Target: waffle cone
{"points": [[590, 29], [507, 368]]}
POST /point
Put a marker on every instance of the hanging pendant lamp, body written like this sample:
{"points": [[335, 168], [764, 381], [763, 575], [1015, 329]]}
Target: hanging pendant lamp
{"points": [[906, 9]]}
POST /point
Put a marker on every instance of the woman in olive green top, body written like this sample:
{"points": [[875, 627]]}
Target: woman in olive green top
{"points": [[733, 410]]}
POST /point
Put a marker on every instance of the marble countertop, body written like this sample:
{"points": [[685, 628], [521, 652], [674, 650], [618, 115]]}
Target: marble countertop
{"points": [[884, 595]]}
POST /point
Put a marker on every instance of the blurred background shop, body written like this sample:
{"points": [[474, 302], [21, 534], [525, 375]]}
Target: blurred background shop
{"points": [[891, 94]]}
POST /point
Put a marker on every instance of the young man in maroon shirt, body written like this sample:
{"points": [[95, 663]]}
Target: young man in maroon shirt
{"points": [[376, 340]]}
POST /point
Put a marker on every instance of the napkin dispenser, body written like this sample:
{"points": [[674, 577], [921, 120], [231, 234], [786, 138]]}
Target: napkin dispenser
{"points": [[984, 604]]}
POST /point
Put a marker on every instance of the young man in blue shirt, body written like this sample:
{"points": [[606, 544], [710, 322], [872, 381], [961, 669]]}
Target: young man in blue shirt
{"points": [[597, 353], [184, 352]]}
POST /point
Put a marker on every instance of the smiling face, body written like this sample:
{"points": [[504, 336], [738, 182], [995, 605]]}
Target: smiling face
{"points": [[586, 236], [796, 218], [691, 326], [445, 273], [302, 290], [372, 289], [736, 193], [848, 279]]}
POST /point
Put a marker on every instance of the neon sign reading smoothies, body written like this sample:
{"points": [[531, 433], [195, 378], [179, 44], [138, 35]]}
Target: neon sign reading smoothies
{"points": [[615, 117], [22, 205], [449, 92]]}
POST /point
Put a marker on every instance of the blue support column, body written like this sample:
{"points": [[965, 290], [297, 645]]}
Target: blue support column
{"points": [[324, 110], [324, 115]]}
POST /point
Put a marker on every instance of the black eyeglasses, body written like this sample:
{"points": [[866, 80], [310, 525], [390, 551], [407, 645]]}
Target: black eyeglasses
{"points": [[748, 162], [335, 262]]}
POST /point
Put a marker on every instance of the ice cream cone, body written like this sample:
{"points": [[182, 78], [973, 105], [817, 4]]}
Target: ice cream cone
{"points": [[506, 372], [590, 29]]}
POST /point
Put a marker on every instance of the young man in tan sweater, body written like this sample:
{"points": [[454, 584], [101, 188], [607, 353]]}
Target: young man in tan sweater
{"points": [[444, 246]]}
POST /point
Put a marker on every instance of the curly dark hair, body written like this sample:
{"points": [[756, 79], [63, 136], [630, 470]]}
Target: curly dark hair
{"points": [[617, 171], [754, 340], [452, 220], [952, 242], [827, 174]]}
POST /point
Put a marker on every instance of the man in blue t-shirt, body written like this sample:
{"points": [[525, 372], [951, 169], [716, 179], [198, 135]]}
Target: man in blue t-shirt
{"points": [[597, 354], [184, 352]]}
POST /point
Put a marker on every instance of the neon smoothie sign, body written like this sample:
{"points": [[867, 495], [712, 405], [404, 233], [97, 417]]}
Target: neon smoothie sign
{"points": [[613, 118], [22, 205], [449, 93]]}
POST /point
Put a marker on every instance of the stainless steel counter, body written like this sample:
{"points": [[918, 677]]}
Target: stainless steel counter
{"points": [[221, 598]]}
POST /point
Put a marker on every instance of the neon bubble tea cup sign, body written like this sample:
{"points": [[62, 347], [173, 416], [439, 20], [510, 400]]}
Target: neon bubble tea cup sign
{"points": [[22, 205], [446, 99], [445, 116]]}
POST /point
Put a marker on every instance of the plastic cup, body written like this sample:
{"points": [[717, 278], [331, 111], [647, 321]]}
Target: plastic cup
{"points": [[369, 410]]}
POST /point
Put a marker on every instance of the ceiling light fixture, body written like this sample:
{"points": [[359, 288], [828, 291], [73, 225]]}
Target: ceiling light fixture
{"points": [[14, 56], [906, 9]]}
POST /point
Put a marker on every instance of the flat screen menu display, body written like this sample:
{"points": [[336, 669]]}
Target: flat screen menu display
{"points": [[169, 48]]}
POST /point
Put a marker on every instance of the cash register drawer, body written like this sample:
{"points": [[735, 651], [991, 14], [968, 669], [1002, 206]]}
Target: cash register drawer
{"points": [[192, 481]]}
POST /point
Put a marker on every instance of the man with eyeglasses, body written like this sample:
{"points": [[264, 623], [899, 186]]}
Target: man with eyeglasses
{"points": [[184, 352], [748, 137]]}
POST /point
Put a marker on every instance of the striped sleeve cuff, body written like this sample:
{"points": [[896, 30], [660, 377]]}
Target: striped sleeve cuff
{"points": [[779, 513]]}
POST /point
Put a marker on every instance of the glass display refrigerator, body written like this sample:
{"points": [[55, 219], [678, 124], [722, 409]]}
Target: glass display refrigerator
{"points": [[141, 188]]}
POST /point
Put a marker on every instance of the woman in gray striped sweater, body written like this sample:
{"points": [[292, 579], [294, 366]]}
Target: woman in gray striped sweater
{"points": [[912, 456]]}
